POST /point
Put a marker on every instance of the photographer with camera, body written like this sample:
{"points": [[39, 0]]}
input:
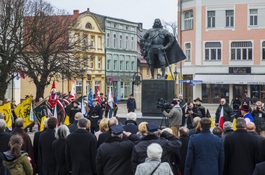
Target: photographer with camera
{"points": [[259, 118], [191, 113], [174, 116]]}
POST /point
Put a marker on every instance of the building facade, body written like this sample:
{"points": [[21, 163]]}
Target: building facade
{"points": [[121, 55], [224, 43]]}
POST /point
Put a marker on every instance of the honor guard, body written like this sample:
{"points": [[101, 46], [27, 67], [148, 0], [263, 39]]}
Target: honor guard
{"points": [[95, 115]]}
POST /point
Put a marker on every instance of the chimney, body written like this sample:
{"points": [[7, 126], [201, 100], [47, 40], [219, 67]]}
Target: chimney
{"points": [[88, 11], [140, 26], [76, 13]]}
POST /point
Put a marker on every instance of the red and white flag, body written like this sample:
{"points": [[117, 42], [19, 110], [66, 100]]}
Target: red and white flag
{"points": [[52, 98], [72, 94], [98, 95], [221, 119]]}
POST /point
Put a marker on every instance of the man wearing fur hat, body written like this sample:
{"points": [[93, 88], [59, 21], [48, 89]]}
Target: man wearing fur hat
{"points": [[198, 102]]}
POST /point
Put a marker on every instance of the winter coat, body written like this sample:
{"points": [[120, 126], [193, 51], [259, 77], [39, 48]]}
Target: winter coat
{"points": [[58, 151], [167, 141], [131, 105], [205, 154], [73, 127], [95, 111], [131, 126], [228, 112], [4, 140], [174, 116], [226, 133], [114, 157], [183, 152], [196, 113], [18, 166], [45, 152], [241, 151], [259, 169], [149, 165], [72, 113], [259, 119], [81, 151], [236, 104], [103, 137], [3, 168]]}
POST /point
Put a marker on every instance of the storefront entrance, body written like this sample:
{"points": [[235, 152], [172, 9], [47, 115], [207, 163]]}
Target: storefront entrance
{"points": [[239, 91]]}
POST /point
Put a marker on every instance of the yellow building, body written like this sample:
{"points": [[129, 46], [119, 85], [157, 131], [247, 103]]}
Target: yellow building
{"points": [[90, 53]]}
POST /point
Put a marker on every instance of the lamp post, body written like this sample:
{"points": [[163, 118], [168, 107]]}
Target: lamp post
{"points": [[175, 74]]}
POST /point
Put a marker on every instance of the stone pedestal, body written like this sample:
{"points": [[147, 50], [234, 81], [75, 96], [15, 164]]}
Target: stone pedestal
{"points": [[138, 96], [152, 90]]}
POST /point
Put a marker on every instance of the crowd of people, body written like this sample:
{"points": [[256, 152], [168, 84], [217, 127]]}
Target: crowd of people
{"points": [[95, 144]]}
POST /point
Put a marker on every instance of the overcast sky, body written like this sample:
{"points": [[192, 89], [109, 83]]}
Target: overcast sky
{"points": [[144, 11]]}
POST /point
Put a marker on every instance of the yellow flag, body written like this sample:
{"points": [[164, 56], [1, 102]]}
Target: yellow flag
{"points": [[23, 111], [6, 110], [234, 124], [42, 124], [67, 121], [212, 124]]}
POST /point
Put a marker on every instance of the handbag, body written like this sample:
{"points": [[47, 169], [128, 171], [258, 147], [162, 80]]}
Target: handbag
{"points": [[155, 169]]}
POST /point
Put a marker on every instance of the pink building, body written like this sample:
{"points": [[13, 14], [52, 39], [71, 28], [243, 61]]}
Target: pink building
{"points": [[224, 41]]}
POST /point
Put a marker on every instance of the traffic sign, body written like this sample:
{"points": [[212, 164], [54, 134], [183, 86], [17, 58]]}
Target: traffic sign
{"points": [[196, 81], [192, 84], [184, 81]]}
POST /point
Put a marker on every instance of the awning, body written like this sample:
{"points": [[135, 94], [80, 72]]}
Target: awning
{"points": [[230, 79]]}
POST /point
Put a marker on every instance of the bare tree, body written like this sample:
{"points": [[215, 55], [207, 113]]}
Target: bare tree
{"points": [[11, 37], [171, 26], [51, 43]]}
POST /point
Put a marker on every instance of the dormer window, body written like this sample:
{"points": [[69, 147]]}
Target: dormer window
{"points": [[88, 26]]}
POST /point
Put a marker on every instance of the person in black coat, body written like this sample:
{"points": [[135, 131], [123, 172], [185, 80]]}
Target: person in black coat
{"points": [[114, 156], [4, 137], [168, 142], [58, 150], [259, 169], [3, 168], [184, 138], [95, 115], [130, 124], [36, 146], [45, 148], [240, 151], [81, 150], [73, 127], [131, 105], [228, 129], [191, 113], [182, 104], [73, 111]]}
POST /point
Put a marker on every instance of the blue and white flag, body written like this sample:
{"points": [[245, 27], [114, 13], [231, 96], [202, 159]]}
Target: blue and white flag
{"points": [[90, 97], [110, 99]]}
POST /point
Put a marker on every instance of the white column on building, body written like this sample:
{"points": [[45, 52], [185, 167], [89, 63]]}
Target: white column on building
{"points": [[198, 40], [230, 92]]}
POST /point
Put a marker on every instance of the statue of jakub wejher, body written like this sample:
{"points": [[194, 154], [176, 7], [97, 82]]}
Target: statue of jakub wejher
{"points": [[160, 48]]}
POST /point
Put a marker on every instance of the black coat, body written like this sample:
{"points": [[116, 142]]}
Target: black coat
{"points": [[131, 126], [131, 105], [240, 153], [259, 121], [168, 142], [95, 111], [72, 113], [81, 151], [260, 140], [4, 141], [58, 151], [183, 153], [73, 127], [226, 133], [196, 113], [259, 169], [103, 137], [45, 152], [35, 151], [114, 157]]}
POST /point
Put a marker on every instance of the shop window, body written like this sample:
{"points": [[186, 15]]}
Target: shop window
{"points": [[213, 51], [257, 93], [241, 50], [212, 93], [125, 90]]}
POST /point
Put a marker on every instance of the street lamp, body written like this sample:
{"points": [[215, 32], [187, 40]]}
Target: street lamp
{"points": [[175, 74]]}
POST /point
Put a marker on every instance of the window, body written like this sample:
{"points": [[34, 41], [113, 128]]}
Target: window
{"points": [[121, 65], [115, 25], [212, 93], [92, 42], [108, 65], [132, 43], [253, 17], [211, 19], [127, 66], [188, 20], [126, 43], [213, 51], [79, 87], [114, 41], [127, 27], [85, 42], [263, 50], [132, 65], [188, 51], [88, 26], [241, 50], [108, 40], [115, 65], [229, 18], [97, 84], [99, 63], [125, 89], [92, 63], [120, 41]]}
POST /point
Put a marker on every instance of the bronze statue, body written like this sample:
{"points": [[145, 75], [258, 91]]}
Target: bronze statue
{"points": [[160, 48]]}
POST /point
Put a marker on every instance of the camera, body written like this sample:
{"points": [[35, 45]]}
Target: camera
{"points": [[189, 109], [163, 104]]}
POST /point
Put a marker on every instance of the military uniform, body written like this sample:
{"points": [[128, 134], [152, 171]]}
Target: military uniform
{"points": [[95, 115]]}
